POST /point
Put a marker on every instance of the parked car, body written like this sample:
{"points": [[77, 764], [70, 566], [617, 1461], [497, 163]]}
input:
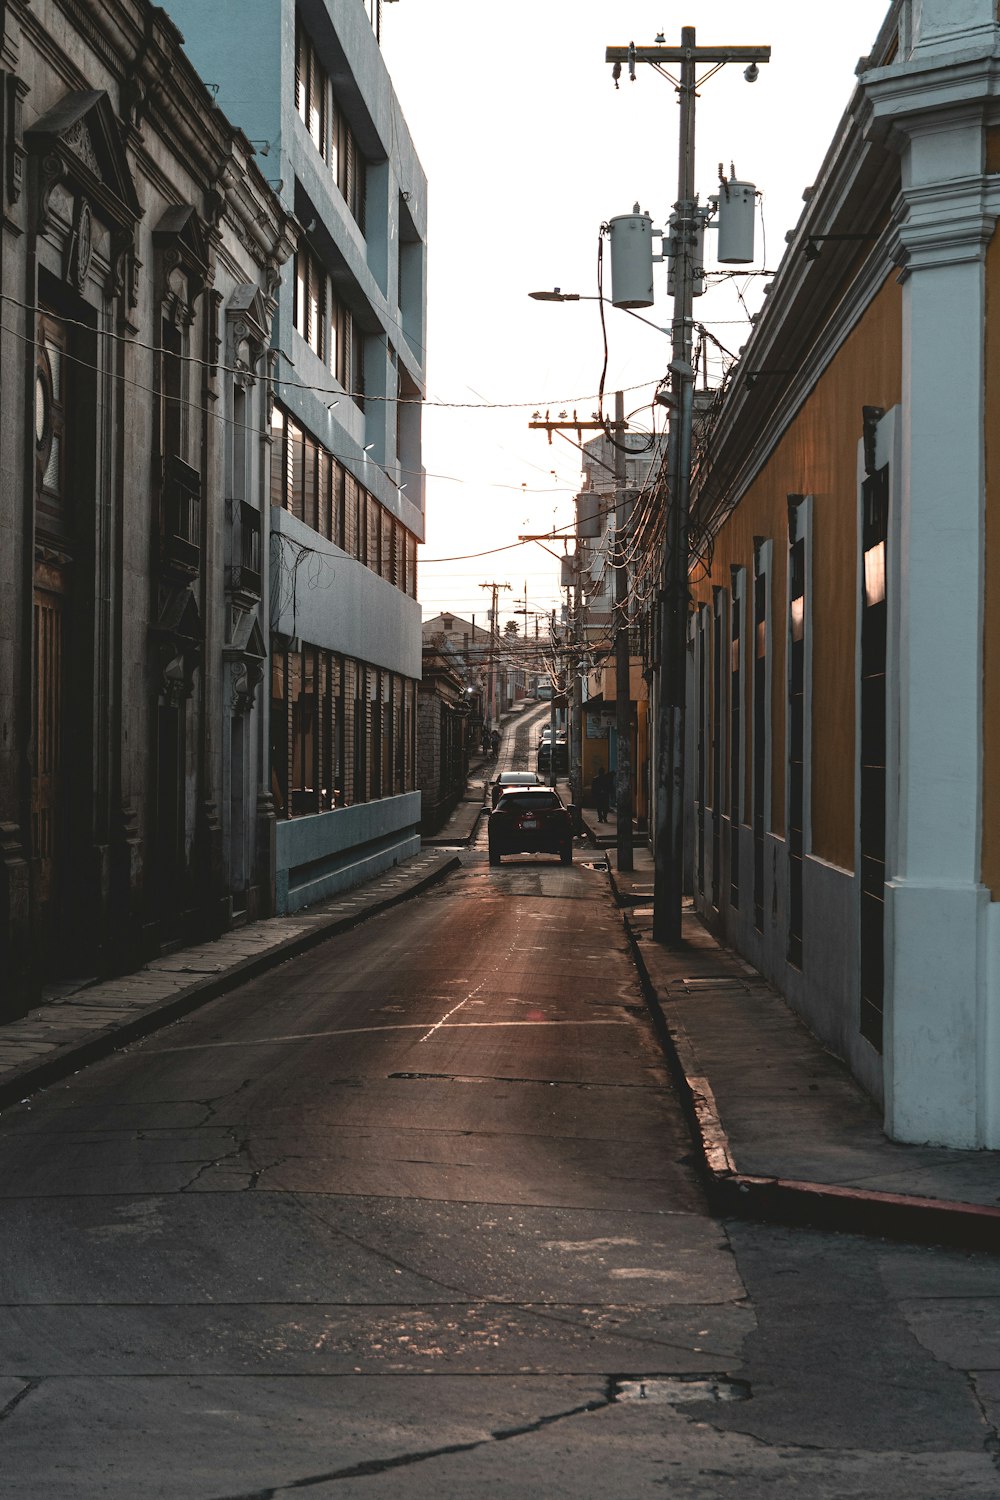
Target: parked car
{"points": [[531, 820], [511, 778], [559, 756]]}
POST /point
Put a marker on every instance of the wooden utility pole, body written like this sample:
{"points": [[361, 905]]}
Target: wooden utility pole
{"points": [[495, 589], [686, 220]]}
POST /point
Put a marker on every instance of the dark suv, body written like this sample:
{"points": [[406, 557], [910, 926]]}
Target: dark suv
{"points": [[560, 755], [531, 820]]}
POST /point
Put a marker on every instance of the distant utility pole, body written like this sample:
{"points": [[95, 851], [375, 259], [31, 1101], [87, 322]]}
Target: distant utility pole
{"points": [[579, 426], [495, 589], [668, 888]]}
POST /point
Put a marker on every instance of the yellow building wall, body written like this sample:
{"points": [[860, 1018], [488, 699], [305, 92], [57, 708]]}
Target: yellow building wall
{"points": [[817, 456], [595, 754]]}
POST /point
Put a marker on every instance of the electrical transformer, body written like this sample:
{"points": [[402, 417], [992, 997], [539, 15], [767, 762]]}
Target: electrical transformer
{"points": [[631, 238], [737, 207], [588, 517]]}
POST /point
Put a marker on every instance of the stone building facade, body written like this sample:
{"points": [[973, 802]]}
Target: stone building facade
{"points": [[140, 255]]}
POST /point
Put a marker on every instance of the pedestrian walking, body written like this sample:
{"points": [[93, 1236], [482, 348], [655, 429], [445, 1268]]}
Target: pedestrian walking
{"points": [[486, 740], [600, 788], [495, 742]]}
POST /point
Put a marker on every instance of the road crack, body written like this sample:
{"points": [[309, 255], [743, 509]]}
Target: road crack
{"points": [[15, 1401], [992, 1440], [374, 1466]]}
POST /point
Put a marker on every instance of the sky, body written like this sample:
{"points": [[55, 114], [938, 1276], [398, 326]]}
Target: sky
{"points": [[529, 149]]}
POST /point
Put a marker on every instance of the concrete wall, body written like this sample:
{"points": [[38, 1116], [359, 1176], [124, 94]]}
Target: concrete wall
{"points": [[333, 601], [332, 851]]}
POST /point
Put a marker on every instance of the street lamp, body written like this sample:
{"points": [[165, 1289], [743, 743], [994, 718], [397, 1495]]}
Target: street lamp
{"points": [[556, 295]]}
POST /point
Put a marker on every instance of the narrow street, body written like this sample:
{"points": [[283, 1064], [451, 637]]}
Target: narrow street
{"points": [[413, 1216]]}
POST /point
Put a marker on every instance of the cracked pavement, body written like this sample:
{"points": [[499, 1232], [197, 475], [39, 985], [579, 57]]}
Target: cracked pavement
{"points": [[413, 1215]]}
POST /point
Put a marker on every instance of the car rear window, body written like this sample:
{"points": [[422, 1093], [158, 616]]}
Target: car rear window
{"points": [[521, 801]]}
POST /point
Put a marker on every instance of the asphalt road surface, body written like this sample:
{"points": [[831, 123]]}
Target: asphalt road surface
{"points": [[413, 1216]]}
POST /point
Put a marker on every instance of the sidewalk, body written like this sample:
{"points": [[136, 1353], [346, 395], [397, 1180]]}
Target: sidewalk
{"points": [[460, 825], [782, 1128]]}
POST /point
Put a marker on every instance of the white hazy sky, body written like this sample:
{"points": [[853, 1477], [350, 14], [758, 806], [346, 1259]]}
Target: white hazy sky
{"points": [[528, 148]]}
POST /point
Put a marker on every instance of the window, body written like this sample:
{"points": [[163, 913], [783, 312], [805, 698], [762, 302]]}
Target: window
{"points": [[874, 641], [307, 480], [797, 563], [703, 629], [399, 726], [347, 350], [761, 716], [309, 313], [351, 490], [327, 125], [341, 731], [339, 341], [735, 732], [347, 165], [332, 729], [374, 556], [402, 577], [362, 770], [356, 382], [278, 458], [56, 495], [312, 89], [337, 503], [248, 558], [718, 737], [411, 565], [171, 391]]}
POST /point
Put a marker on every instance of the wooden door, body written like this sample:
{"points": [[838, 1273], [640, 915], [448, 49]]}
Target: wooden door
{"points": [[55, 540], [48, 799]]}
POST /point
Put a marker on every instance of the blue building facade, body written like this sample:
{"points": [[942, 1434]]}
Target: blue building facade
{"points": [[306, 81]]}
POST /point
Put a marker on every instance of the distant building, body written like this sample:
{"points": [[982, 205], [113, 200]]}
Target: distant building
{"points": [[308, 85], [449, 713], [142, 249], [501, 663], [600, 548]]}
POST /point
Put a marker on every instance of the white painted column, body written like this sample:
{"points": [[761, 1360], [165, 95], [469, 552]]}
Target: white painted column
{"points": [[935, 1085]]}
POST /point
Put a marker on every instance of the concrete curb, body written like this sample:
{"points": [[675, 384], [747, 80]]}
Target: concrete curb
{"points": [[16, 1084], [781, 1200]]}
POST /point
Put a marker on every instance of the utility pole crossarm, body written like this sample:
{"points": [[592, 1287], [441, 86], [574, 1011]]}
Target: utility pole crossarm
{"points": [[688, 54], [571, 426]]}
